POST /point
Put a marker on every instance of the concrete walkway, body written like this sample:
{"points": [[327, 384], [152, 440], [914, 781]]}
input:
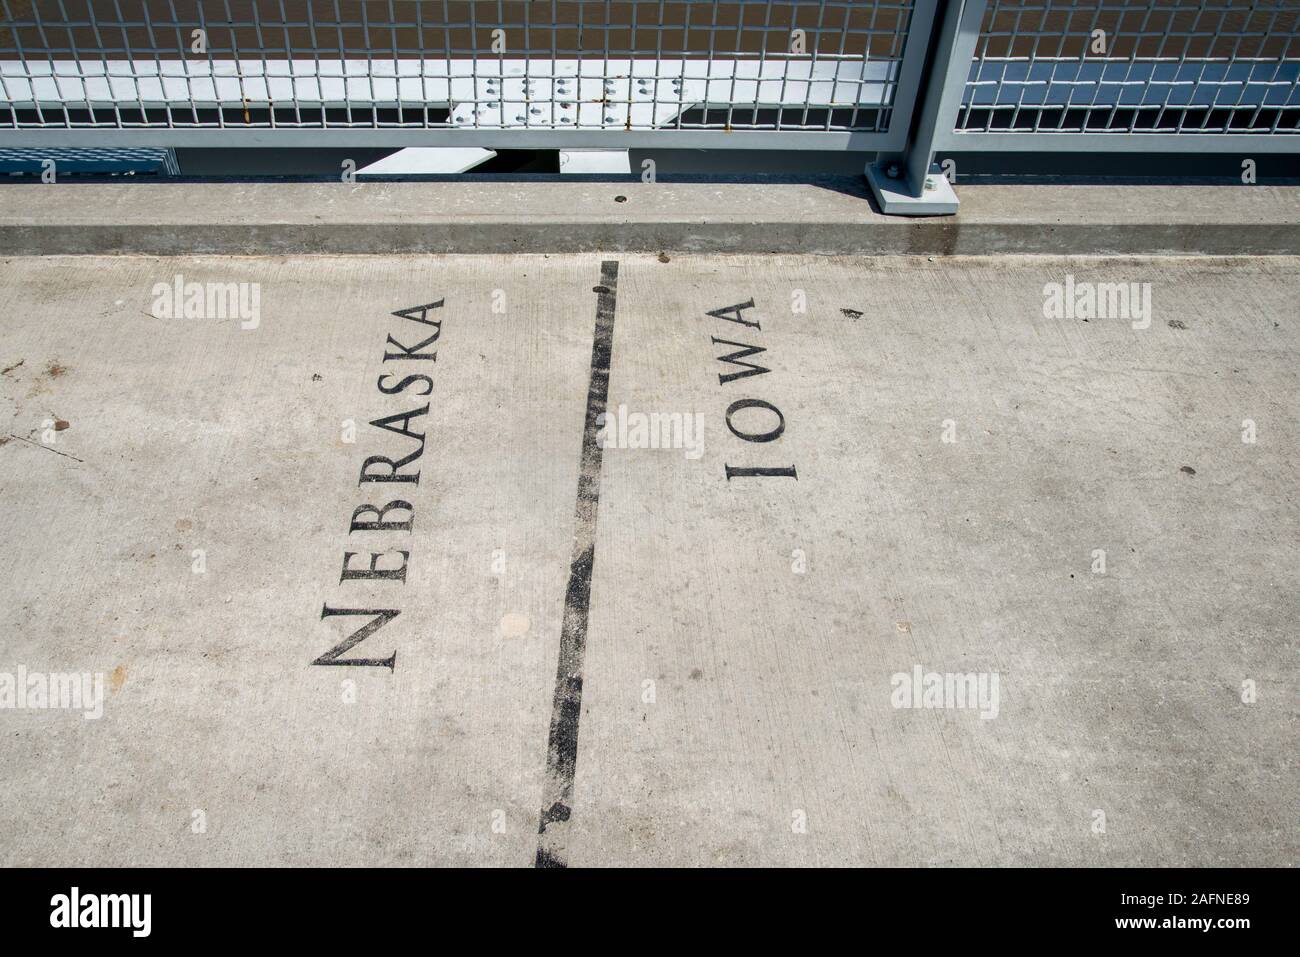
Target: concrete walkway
{"points": [[905, 470]]}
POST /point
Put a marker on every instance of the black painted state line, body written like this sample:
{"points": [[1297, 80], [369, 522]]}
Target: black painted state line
{"points": [[566, 706]]}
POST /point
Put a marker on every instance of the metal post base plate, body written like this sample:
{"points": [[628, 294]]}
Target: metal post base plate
{"points": [[896, 199]]}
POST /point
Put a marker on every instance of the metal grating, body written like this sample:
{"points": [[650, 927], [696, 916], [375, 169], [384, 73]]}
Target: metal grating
{"points": [[95, 161], [1167, 66], [434, 64]]}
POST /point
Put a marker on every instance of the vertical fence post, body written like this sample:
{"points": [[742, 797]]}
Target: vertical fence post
{"points": [[907, 183]]}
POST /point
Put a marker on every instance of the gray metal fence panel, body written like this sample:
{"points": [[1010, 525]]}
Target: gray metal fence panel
{"points": [[1211, 75], [829, 74], [1132, 75]]}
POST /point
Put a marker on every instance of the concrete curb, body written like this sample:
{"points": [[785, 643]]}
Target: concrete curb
{"points": [[828, 217]]}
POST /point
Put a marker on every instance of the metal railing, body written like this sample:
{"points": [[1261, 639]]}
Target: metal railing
{"points": [[1156, 75], [827, 74], [900, 78]]}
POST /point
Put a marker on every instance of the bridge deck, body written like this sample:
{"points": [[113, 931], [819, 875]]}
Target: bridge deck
{"points": [[950, 465]]}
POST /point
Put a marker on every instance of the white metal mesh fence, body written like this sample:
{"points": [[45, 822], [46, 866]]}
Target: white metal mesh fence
{"points": [[734, 65], [1135, 66]]}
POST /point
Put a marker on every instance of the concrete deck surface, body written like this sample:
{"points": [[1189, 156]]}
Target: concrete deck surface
{"points": [[829, 216], [960, 459]]}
